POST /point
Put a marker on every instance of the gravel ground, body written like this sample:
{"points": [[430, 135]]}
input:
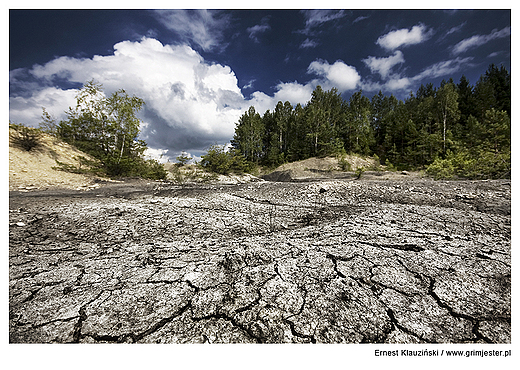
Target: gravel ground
{"points": [[335, 261]]}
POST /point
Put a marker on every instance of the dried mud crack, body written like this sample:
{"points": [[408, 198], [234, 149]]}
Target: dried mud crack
{"points": [[336, 261]]}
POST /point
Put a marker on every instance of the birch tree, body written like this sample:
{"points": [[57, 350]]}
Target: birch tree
{"points": [[447, 108]]}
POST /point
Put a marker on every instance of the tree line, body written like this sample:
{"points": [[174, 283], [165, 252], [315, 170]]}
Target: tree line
{"points": [[452, 129]]}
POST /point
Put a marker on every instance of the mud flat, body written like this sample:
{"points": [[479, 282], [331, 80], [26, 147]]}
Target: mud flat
{"points": [[334, 261]]}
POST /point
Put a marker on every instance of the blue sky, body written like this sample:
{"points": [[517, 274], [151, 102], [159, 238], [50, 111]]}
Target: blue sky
{"points": [[199, 70]]}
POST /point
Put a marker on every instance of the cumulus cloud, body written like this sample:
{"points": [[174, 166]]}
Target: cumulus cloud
{"points": [[339, 75], [189, 102], [294, 92], [200, 27], [478, 40], [157, 154], [28, 109], [383, 66], [404, 37]]}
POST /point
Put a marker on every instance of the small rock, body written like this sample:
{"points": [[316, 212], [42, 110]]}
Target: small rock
{"points": [[21, 224]]}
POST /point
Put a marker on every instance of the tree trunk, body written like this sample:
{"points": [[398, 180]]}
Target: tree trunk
{"points": [[444, 134], [122, 147]]}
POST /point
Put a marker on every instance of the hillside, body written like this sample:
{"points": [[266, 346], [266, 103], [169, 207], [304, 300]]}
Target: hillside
{"points": [[330, 168], [31, 170], [192, 173]]}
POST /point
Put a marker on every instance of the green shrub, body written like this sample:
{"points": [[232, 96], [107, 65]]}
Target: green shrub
{"points": [[177, 174], [183, 159], [152, 169], [134, 167], [219, 161], [344, 165], [216, 160], [464, 164], [359, 171], [441, 169], [26, 138], [390, 166]]}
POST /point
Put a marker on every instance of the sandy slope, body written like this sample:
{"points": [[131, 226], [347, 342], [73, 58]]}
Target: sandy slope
{"points": [[30, 170]]}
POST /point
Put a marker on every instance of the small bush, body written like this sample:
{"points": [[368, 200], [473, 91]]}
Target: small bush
{"points": [[344, 165], [480, 165], [359, 171], [152, 169], [377, 163], [177, 174], [218, 161], [441, 169], [183, 159], [390, 166], [24, 137]]}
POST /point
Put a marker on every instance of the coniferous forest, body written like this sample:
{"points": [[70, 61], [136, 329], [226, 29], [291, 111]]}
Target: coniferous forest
{"points": [[451, 130]]}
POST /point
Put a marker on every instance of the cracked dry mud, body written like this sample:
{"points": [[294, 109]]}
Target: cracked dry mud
{"points": [[341, 261]]}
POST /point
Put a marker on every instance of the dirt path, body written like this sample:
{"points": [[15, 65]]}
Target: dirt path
{"points": [[340, 261]]}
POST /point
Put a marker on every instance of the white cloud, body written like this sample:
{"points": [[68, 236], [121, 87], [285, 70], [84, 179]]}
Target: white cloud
{"points": [[157, 154], [261, 101], [308, 43], [184, 95], [294, 92], [444, 68], [478, 40], [339, 75], [360, 18], [455, 29], [494, 54], [397, 84], [403, 37], [316, 17], [383, 66], [28, 110], [250, 84], [201, 27], [258, 29], [313, 20]]}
